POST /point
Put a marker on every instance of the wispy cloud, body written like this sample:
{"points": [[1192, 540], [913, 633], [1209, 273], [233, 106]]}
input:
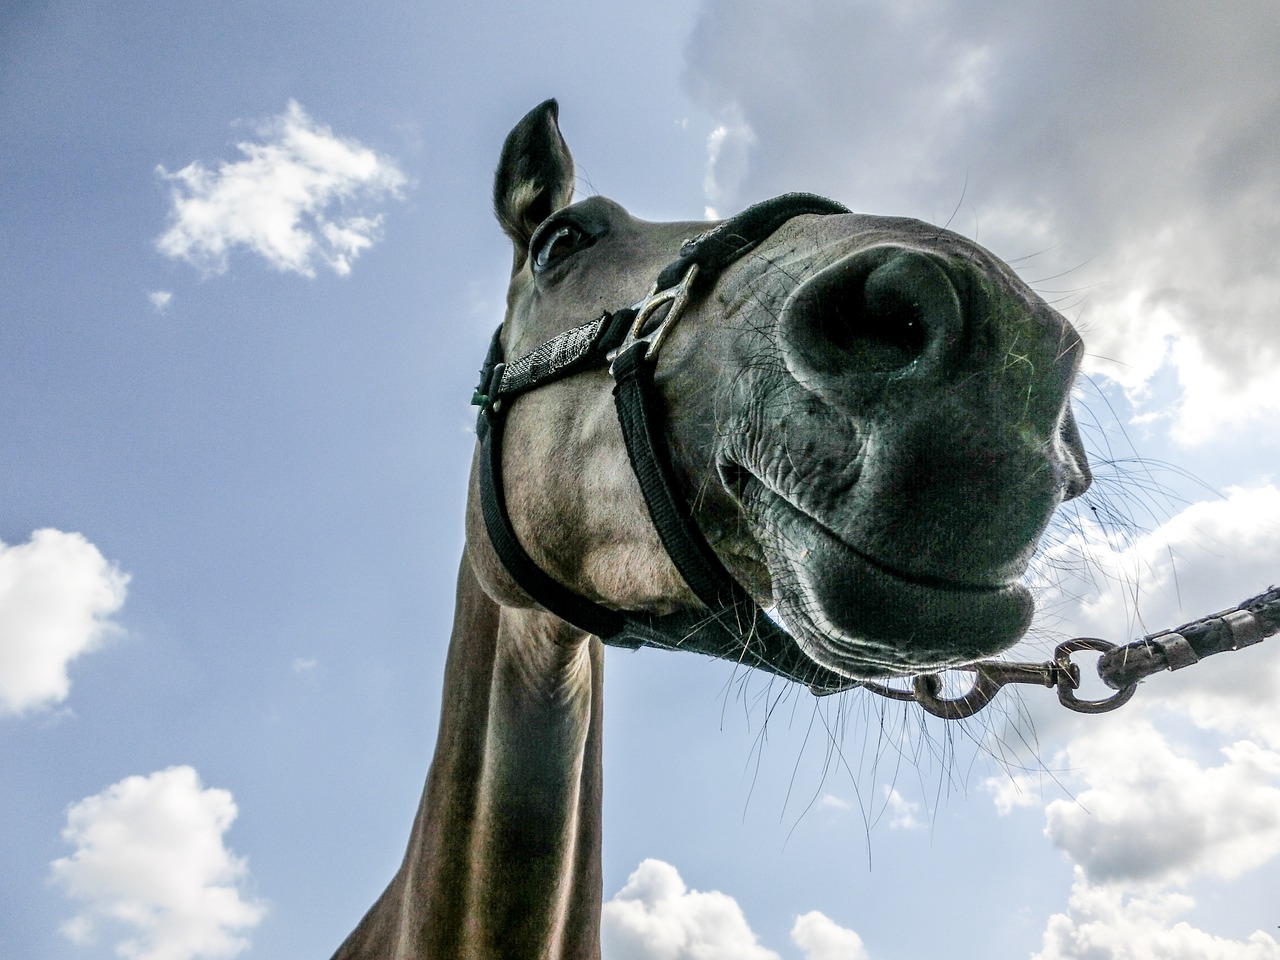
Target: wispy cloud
{"points": [[902, 812], [656, 917], [301, 197], [150, 860], [57, 595], [160, 299], [728, 149]]}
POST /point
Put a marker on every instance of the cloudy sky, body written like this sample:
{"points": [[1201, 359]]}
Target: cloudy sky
{"points": [[248, 270]]}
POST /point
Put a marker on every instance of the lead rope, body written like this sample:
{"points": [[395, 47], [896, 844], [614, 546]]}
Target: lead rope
{"points": [[1121, 668]]}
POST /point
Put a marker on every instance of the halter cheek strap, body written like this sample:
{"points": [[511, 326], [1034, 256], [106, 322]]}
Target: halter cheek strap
{"points": [[731, 625]]}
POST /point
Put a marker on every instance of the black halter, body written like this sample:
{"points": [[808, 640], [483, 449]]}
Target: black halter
{"points": [[732, 626]]}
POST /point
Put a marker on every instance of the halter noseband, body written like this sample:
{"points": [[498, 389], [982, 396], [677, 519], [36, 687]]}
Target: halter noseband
{"points": [[732, 626]]}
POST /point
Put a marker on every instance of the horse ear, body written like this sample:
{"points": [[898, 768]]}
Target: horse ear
{"points": [[535, 175]]}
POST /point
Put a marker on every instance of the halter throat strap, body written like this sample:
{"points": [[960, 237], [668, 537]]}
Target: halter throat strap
{"points": [[731, 625]]}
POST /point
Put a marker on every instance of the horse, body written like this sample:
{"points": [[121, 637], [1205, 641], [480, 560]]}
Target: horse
{"points": [[820, 444]]}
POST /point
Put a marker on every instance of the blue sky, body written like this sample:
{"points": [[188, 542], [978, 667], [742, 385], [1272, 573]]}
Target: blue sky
{"points": [[247, 448]]}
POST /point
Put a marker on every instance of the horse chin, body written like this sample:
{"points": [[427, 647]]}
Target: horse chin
{"points": [[859, 617]]}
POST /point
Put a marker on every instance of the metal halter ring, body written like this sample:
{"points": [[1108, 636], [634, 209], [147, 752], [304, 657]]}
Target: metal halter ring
{"points": [[677, 296], [1069, 681]]}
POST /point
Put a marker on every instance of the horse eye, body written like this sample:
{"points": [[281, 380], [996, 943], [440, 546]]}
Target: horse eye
{"points": [[557, 243]]}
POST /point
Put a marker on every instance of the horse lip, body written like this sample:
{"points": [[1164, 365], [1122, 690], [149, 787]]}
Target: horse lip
{"points": [[922, 582], [864, 618], [944, 584], [741, 481]]}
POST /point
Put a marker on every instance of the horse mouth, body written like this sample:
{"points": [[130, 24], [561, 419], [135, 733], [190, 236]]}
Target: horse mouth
{"points": [[864, 618]]}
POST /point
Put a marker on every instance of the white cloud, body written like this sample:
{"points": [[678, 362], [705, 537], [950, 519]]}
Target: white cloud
{"points": [[1208, 553], [1104, 923], [1147, 154], [1151, 809], [656, 917], [299, 199], [160, 299], [822, 939], [150, 859], [57, 594], [1145, 818], [1183, 784], [1151, 813]]}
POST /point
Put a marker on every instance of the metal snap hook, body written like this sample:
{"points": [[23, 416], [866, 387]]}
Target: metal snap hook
{"points": [[989, 677]]}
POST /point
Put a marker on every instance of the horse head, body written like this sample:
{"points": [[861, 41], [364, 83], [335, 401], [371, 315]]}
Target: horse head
{"points": [[868, 419]]}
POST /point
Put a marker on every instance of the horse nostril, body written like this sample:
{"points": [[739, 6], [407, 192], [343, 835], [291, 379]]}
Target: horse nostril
{"points": [[878, 311], [881, 324]]}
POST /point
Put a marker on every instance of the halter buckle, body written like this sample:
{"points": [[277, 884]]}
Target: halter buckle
{"points": [[677, 296]]}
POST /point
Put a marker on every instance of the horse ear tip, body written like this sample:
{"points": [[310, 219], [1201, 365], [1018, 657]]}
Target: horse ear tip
{"points": [[550, 109], [544, 116]]}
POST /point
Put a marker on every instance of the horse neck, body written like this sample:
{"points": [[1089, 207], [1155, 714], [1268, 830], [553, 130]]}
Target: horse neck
{"points": [[504, 858]]}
